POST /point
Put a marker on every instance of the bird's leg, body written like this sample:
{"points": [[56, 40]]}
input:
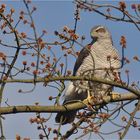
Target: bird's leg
{"points": [[89, 101], [115, 95], [89, 98]]}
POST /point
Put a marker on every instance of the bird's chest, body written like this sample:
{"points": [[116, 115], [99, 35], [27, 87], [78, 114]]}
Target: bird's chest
{"points": [[92, 63]]}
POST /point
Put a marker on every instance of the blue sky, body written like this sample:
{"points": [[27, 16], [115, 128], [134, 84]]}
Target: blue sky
{"points": [[51, 16]]}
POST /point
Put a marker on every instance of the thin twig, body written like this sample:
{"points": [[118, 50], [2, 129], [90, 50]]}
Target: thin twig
{"points": [[130, 121]]}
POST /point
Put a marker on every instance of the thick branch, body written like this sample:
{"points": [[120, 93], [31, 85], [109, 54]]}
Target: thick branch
{"points": [[73, 78], [68, 107]]}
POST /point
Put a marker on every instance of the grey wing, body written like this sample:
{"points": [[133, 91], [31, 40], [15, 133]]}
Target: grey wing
{"points": [[83, 54]]}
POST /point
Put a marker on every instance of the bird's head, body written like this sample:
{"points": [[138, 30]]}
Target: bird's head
{"points": [[99, 32]]}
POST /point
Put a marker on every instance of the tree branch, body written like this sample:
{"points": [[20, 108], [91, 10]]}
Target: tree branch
{"points": [[68, 107], [73, 78], [130, 121], [94, 7]]}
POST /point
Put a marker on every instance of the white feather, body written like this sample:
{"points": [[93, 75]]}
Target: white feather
{"points": [[69, 90]]}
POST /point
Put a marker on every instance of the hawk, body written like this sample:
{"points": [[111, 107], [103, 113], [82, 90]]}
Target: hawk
{"points": [[98, 59]]}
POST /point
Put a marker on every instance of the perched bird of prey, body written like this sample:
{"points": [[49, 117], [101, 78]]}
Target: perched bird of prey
{"points": [[98, 59]]}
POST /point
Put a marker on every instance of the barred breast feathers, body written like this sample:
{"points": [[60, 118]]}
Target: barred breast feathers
{"points": [[97, 58]]}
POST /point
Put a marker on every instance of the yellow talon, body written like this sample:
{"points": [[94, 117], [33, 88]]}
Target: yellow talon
{"points": [[115, 96], [89, 101]]}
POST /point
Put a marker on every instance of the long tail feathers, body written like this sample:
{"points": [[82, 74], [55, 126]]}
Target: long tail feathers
{"points": [[71, 95], [65, 117]]}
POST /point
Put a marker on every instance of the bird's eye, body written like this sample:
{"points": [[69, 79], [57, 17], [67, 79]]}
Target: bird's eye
{"points": [[101, 30]]}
